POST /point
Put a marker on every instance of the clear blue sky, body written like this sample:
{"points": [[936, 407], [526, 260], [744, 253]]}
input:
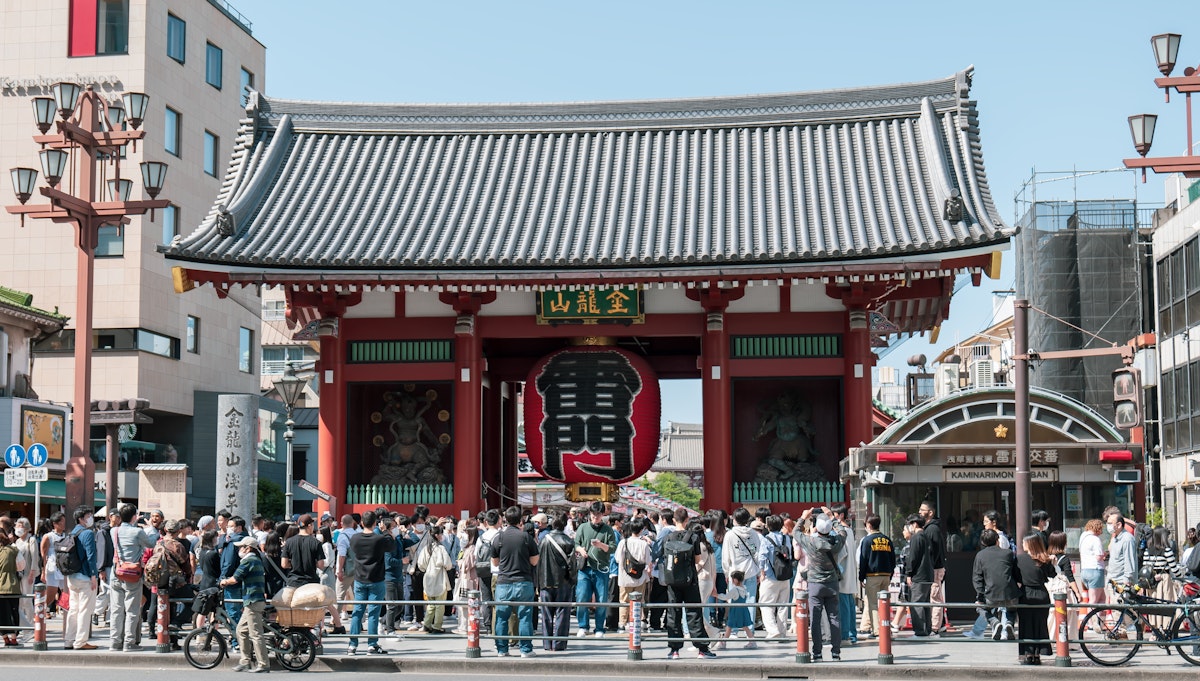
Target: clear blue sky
{"points": [[1055, 80]]}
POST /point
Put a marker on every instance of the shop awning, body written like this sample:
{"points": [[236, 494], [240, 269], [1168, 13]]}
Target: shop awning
{"points": [[53, 492]]}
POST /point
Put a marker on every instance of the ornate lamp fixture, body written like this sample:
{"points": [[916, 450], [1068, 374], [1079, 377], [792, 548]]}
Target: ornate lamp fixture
{"points": [[1141, 126]]}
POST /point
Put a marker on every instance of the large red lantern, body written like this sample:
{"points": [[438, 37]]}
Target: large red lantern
{"points": [[592, 415]]}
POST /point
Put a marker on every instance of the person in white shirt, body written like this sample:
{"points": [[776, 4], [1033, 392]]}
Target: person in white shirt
{"points": [[1092, 560], [740, 552], [638, 549]]}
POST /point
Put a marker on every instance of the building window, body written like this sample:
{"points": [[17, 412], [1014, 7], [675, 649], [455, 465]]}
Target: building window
{"points": [[112, 340], [193, 335], [112, 27], [157, 344], [111, 242], [245, 350], [170, 226], [212, 66], [274, 310], [247, 85], [275, 359], [212, 147], [171, 132], [176, 38]]}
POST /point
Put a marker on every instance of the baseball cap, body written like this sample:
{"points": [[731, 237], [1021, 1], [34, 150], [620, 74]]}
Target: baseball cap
{"points": [[757, 524], [246, 541], [824, 525], [171, 526], [539, 518]]}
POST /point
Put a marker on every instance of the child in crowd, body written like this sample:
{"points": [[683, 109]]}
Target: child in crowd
{"points": [[739, 617]]}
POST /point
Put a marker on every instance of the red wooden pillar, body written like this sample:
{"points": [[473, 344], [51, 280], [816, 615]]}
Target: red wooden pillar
{"points": [[468, 411], [718, 399], [331, 437], [857, 377]]}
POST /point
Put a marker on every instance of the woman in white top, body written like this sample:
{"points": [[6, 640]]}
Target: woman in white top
{"points": [[1091, 561], [28, 549]]}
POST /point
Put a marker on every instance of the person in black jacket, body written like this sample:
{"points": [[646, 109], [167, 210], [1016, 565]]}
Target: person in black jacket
{"points": [[994, 578], [919, 571], [936, 535], [556, 579], [1034, 567], [876, 561]]}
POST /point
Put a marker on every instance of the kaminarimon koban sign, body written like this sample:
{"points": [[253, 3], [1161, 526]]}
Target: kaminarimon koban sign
{"points": [[592, 415]]}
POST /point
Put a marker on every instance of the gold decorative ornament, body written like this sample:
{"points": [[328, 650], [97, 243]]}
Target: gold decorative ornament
{"points": [[443, 416], [376, 417], [1001, 431], [431, 394], [444, 438], [594, 340], [409, 387], [377, 440]]}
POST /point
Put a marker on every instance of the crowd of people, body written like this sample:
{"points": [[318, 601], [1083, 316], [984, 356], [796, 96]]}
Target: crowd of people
{"points": [[703, 579]]}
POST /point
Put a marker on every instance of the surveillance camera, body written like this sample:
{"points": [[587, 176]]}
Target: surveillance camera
{"points": [[885, 477]]}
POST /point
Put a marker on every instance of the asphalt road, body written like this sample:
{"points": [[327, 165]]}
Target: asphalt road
{"points": [[125, 674]]}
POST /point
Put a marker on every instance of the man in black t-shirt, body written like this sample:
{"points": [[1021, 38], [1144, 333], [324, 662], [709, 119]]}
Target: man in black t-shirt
{"points": [[302, 556], [370, 550], [514, 556]]}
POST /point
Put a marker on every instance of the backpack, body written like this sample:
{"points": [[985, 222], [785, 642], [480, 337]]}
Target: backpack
{"points": [[483, 556], [66, 555], [1193, 562], [631, 566], [1141, 534], [679, 559], [781, 560], [158, 567]]}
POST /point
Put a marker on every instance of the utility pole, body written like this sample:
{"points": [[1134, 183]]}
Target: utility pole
{"points": [[1023, 477]]}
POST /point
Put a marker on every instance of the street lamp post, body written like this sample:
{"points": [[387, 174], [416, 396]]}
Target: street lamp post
{"points": [[86, 151], [1141, 126], [290, 387]]}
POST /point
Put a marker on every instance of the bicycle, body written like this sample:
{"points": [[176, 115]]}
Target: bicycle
{"points": [[206, 647], [1183, 632]]}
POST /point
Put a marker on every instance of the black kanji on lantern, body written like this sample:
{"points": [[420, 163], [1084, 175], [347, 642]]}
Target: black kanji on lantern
{"points": [[587, 401]]}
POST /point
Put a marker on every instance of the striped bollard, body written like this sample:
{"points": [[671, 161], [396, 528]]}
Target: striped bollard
{"points": [[39, 617], [635, 626], [164, 622], [1062, 650], [803, 656], [473, 624], [885, 627]]}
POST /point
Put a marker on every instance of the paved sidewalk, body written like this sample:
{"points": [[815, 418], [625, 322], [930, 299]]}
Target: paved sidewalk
{"points": [[952, 657]]}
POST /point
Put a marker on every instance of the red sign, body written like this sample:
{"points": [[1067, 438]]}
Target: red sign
{"points": [[592, 415]]}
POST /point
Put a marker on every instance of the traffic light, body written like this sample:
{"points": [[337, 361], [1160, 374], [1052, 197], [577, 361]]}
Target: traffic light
{"points": [[1127, 397]]}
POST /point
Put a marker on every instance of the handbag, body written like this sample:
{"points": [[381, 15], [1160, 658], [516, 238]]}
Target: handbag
{"points": [[1058, 584], [126, 570]]}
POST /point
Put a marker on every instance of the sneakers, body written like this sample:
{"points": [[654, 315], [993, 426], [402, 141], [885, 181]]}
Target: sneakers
{"points": [[672, 654], [261, 670], [241, 668], [816, 657], [501, 653], [528, 654], [582, 633], [599, 634], [352, 650], [751, 646], [719, 645], [706, 655], [376, 650], [417, 626], [836, 657]]}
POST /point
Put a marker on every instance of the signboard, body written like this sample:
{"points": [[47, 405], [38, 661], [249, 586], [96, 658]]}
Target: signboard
{"points": [[14, 456], [38, 474], [37, 456], [993, 475], [47, 427], [163, 487], [622, 304], [314, 490], [1074, 497], [14, 477]]}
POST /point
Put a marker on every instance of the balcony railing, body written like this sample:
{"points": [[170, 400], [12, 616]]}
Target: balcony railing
{"points": [[789, 492], [400, 494]]}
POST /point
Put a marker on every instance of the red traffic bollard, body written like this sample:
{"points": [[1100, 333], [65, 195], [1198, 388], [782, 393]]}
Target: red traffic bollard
{"points": [[39, 617], [1062, 650], [803, 656], [164, 621], [885, 627], [635, 626], [473, 624]]}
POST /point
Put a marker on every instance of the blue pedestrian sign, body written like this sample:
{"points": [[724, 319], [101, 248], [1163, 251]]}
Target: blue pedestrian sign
{"points": [[14, 456], [37, 455]]}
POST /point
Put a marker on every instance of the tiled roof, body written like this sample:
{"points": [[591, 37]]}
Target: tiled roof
{"points": [[20, 304], [754, 180], [681, 448]]}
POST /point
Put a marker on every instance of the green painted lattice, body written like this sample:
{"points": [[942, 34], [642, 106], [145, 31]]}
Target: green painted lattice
{"points": [[812, 345], [376, 352], [789, 492], [400, 494]]}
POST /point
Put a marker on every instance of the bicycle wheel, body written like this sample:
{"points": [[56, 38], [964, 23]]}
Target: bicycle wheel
{"points": [[1186, 630], [296, 649], [204, 648], [1104, 641]]}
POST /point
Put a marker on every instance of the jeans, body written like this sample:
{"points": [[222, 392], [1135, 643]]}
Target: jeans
{"points": [[395, 592], [519, 591], [366, 591], [125, 612], [846, 612], [823, 600], [556, 620], [590, 582], [233, 603]]}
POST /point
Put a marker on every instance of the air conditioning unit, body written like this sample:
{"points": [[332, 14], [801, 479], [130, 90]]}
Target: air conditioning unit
{"points": [[983, 373]]}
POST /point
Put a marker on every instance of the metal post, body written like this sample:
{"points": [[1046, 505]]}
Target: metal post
{"points": [[112, 452], [885, 627], [473, 603], [635, 626], [1023, 479], [39, 617], [1062, 650], [164, 621], [288, 435], [803, 656]]}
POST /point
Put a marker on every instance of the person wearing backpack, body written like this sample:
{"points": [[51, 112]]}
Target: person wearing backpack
{"points": [[820, 551], [775, 555], [633, 558], [82, 579], [597, 541], [680, 571]]}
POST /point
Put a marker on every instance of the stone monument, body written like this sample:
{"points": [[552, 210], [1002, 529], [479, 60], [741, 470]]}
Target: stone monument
{"points": [[237, 461]]}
